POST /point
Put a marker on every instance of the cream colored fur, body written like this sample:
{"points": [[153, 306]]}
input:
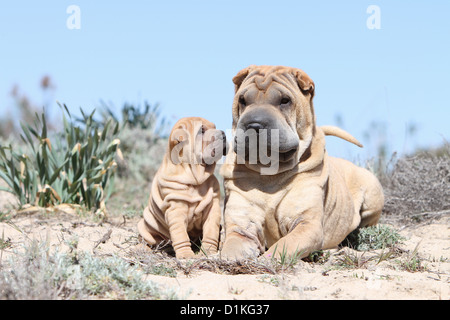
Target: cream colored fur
{"points": [[184, 199], [312, 203]]}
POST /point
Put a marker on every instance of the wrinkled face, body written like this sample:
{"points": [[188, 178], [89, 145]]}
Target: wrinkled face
{"points": [[273, 117], [195, 140]]}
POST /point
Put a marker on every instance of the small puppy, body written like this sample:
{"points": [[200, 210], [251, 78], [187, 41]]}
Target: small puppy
{"points": [[184, 202]]}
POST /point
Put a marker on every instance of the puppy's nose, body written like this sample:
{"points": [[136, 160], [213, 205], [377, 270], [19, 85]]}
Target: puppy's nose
{"points": [[255, 126]]}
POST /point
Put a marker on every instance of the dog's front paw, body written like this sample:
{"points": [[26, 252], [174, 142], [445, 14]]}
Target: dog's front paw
{"points": [[236, 248]]}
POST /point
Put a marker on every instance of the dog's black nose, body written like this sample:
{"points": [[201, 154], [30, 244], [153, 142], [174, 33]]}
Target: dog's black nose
{"points": [[255, 126]]}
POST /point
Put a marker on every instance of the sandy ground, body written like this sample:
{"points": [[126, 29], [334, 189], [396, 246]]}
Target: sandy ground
{"points": [[385, 280]]}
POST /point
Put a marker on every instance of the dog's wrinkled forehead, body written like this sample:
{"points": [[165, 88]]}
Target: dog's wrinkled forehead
{"points": [[264, 76]]}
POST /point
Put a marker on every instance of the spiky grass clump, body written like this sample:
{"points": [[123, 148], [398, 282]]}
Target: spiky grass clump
{"points": [[75, 168]]}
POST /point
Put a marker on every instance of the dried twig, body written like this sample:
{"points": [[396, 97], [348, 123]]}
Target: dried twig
{"points": [[105, 238]]}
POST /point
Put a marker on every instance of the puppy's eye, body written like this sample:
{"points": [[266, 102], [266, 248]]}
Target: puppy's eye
{"points": [[202, 130], [242, 101], [285, 100]]}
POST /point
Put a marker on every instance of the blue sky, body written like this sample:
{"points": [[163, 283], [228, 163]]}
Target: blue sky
{"points": [[183, 54]]}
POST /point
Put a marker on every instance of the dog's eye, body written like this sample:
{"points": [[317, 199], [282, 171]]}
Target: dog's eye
{"points": [[242, 101], [285, 100]]}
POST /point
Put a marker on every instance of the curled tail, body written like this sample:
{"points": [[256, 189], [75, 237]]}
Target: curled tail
{"points": [[340, 133]]}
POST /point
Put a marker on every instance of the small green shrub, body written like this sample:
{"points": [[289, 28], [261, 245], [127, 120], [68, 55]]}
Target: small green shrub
{"points": [[372, 238], [38, 273], [75, 168], [115, 278]]}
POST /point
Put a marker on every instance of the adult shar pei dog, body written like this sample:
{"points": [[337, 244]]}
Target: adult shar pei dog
{"points": [[294, 198], [184, 203]]}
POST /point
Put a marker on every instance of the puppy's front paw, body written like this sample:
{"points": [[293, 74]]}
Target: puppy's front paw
{"points": [[208, 251], [209, 248], [185, 253]]}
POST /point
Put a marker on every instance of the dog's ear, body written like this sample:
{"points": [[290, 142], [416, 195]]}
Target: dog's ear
{"points": [[306, 123], [240, 77], [305, 83]]}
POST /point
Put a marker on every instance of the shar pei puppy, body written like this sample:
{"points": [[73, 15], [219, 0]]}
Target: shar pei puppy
{"points": [[290, 197], [184, 203]]}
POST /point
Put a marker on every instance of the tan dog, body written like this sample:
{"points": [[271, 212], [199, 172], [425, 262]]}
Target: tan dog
{"points": [[309, 201], [184, 200]]}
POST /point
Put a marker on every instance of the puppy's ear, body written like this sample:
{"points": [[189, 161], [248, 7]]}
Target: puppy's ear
{"points": [[304, 82], [240, 77], [178, 135], [173, 142]]}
